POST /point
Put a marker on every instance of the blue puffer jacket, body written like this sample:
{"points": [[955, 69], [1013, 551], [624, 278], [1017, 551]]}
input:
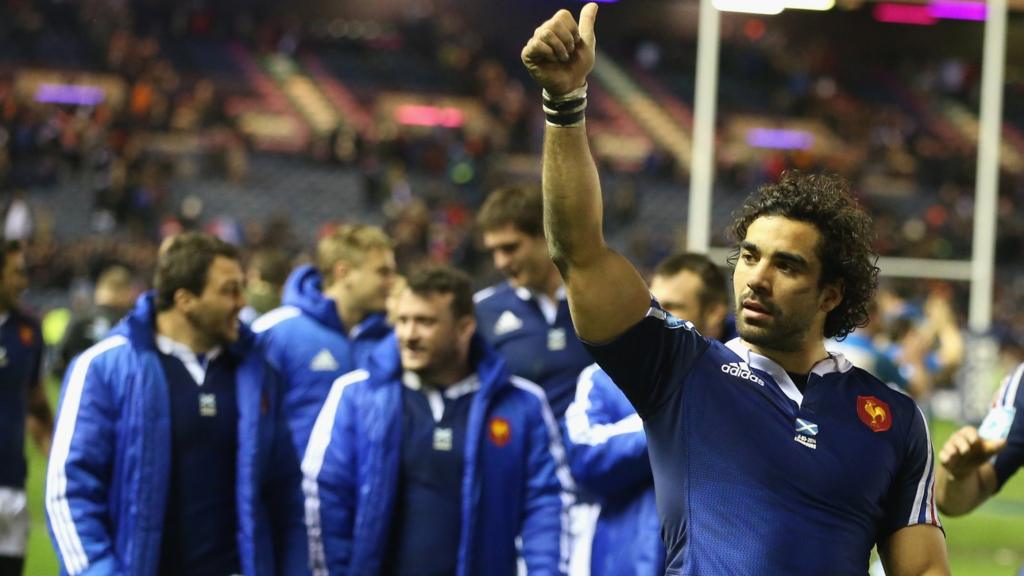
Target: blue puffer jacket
{"points": [[306, 342], [106, 487], [515, 482], [608, 456]]}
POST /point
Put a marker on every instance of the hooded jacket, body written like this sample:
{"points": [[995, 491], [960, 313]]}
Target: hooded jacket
{"points": [[107, 480], [306, 342], [515, 483], [607, 450]]}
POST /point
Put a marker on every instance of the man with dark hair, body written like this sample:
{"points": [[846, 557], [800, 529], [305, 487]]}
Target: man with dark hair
{"points": [[112, 299], [606, 443], [434, 460], [23, 405], [526, 319], [689, 285], [165, 456], [769, 455]]}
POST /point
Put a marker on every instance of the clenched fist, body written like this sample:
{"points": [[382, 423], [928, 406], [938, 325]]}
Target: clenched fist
{"points": [[560, 54]]}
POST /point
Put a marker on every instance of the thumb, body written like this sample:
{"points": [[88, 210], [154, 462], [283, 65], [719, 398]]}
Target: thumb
{"points": [[990, 447], [587, 17]]}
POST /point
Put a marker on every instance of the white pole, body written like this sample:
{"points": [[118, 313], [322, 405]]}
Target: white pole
{"points": [[987, 185], [702, 163]]}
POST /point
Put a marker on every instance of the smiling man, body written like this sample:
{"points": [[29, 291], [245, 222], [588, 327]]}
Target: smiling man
{"points": [[769, 455], [434, 459], [526, 319], [163, 455]]}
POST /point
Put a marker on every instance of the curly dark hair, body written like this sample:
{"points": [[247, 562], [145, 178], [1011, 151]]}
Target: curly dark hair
{"points": [[847, 234]]}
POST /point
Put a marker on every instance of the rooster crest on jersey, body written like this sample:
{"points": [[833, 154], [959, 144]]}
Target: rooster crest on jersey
{"points": [[741, 370], [874, 413]]}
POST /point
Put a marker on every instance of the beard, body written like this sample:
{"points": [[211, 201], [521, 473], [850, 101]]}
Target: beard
{"points": [[212, 328], [785, 332]]}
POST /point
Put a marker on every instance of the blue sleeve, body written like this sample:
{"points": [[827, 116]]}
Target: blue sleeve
{"points": [[283, 492], [545, 531], [80, 468], [911, 499], [649, 361], [330, 480], [607, 445], [1011, 458]]}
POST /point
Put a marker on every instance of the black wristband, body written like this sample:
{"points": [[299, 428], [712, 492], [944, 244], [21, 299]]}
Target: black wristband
{"points": [[565, 120]]}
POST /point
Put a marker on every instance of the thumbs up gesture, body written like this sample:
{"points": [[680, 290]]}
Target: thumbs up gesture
{"points": [[560, 54]]}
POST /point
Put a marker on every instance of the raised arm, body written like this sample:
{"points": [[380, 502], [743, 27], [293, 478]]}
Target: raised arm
{"points": [[606, 294]]}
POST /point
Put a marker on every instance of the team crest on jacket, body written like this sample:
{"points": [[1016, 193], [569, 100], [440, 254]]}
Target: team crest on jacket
{"points": [[499, 431], [874, 413]]}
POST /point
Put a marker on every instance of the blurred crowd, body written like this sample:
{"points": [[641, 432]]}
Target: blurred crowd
{"points": [[899, 137]]}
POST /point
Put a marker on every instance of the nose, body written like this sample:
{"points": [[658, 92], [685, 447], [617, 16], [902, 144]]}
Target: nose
{"points": [[759, 278], [501, 259]]}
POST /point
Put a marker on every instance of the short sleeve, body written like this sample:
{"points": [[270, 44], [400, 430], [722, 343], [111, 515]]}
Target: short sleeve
{"points": [[650, 360], [1011, 458], [912, 497]]}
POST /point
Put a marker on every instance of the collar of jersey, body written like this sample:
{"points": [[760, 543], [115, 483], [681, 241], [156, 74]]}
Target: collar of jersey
{"points": [[470, 383], [548, 307], [835, 363], [172, 347]]}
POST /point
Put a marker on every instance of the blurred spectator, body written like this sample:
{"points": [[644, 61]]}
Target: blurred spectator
{"points": [[114, 295], [264, 280]]}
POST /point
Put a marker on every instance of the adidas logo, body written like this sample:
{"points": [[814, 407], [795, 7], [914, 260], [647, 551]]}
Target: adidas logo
{"points": [[507, 322], [741, 370], [323, 362]]}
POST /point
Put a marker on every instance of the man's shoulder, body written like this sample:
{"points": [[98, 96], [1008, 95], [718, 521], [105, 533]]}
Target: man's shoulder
{"points": [[276, 319], [109, 354], [497, 296]]}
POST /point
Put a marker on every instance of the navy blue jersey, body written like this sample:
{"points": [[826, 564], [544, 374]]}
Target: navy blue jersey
{"points": [[21, 348], [427, 521], [536, 337], [1011, 394], [754, 477], [200, 522]]}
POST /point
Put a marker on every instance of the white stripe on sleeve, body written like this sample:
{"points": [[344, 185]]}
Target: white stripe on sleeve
{"points": [[577, 418], [57, 506], [561, 466], [312, 463], [925, 496]]}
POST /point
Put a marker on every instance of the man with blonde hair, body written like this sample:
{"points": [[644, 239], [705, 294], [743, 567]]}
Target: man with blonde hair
{"points": [[332, 315]]}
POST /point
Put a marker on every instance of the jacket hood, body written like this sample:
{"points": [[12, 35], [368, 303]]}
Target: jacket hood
{"points": [[304, 289], [385, 364], [139, 326]]}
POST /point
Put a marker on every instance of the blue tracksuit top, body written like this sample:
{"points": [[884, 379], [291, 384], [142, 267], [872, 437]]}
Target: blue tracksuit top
{"points": [[306, 342], [107, 480], [607, 450], [515, 482]]}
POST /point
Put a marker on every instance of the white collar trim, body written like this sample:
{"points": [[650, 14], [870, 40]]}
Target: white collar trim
{"points": [[197, 370], [548, 307], [412, 381], [835, 363]]}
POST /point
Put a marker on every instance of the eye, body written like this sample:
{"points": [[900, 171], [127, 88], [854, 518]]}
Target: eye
{"points": [[748, 258]]}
